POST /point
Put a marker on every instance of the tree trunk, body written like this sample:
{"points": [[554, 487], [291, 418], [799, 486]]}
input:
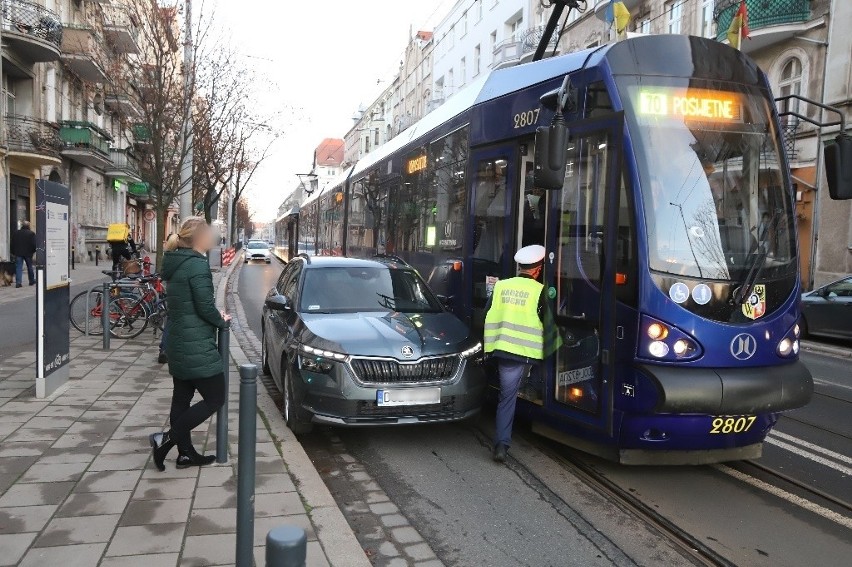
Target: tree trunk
{"points": [[161, 236]]}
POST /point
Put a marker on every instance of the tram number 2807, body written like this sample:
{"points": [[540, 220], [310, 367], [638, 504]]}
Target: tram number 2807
{"points": [[524, 119], [732, 423]]}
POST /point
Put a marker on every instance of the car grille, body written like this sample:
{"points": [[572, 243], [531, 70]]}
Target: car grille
{"points": [[372, 409], [383, 371]]}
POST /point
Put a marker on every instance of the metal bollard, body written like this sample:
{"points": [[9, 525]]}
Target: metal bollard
{"points": [[286, 546], [246, 465], [97, 254], [222, 414], [105, 315], [73, 259]]}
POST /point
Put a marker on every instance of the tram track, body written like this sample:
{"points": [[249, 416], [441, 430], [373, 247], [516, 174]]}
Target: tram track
{"points": [[690, 546]]}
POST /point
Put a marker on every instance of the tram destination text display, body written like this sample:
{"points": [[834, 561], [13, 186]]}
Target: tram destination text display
{"points": [[691, 104]]}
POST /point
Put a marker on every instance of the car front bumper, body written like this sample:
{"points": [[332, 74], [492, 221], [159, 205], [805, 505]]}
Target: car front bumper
{"points": [[341, 401]]}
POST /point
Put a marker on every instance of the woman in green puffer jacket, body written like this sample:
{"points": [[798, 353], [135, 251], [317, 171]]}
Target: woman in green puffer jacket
{"points": [[194, 360]]}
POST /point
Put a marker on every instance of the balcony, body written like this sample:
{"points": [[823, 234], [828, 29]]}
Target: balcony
{"points": [[122, 104], [123, 166], [120, 29], [507, 53], [31, 31], [530, 40], [769, 21], [32, 142], [85, 143], [82, 53]]}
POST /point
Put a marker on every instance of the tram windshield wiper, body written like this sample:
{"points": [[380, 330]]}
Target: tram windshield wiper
{"points": [[743, 291]]}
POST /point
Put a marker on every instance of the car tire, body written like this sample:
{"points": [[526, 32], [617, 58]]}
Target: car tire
{"points": [[297, 419], [264, 354]]}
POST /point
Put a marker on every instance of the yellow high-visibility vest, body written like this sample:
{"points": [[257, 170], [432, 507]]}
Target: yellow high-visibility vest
{"points": [[512, 324]]}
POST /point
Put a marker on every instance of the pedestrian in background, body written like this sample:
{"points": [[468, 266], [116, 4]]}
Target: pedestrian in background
{"points": [[193, 356], [23, 246], [516, 336], [163, 358], [124, 248]]}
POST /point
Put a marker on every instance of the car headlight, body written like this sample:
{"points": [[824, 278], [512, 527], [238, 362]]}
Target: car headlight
{"points": [[472, 351], [323, 353]]}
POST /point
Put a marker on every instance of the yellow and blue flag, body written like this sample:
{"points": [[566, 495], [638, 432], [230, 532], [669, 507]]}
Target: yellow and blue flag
{"points": [[618, 14]]}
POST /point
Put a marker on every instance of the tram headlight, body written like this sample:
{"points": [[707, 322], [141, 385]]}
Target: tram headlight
{"points": [[658, 349], [797, 331], [681, 347], [657, 332], [785, 347], [796, 347]]}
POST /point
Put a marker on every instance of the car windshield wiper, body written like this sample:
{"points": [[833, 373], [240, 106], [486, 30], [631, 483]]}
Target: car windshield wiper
{"points": [[743, 291]]}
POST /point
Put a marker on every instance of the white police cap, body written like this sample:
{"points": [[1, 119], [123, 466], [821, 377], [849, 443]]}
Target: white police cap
{"points": [[529, 255]]}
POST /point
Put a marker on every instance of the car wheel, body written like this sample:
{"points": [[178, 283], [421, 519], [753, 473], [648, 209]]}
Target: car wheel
{"points": [[803, 328], [297, 419], [264, 355]]}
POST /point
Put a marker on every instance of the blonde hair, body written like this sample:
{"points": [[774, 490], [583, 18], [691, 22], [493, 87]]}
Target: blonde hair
{"points": [[186, 234]]}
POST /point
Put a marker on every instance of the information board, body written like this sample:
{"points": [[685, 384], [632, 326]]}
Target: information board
{"points": [[53, 356]]}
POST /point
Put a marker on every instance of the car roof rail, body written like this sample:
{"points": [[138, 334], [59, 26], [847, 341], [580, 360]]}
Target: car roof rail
{"points": [[393, 257]]}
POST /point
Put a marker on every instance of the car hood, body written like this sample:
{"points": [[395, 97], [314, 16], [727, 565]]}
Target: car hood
{"points": [[385, 334]]}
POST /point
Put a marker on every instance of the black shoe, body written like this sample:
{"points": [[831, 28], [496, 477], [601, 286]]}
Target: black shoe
{"points": [[500, 453], [18, 285], [193, 459], [161, 444], [32, 283], [163, 358]]}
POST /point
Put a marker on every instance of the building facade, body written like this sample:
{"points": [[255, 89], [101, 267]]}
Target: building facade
{"points": [[67, 118]]}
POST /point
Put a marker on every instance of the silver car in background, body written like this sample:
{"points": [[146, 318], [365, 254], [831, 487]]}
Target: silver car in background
{"points": [[258, 250]]}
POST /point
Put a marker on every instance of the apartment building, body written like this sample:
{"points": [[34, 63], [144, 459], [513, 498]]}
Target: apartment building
{"points": [[477, 35], [68, 118]]}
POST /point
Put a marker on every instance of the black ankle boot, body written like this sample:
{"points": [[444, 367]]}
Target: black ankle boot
{"points": [[193, 458], [161, 444]]}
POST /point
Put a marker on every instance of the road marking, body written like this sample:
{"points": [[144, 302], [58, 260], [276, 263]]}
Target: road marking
{"points": [[811, 446], [831, 515], [808, 455], [834, 384]]}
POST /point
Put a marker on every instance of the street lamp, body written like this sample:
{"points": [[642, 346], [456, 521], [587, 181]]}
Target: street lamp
{"points": [[311, 178]]}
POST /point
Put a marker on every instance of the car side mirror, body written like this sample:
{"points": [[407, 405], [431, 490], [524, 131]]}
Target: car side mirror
{"points": [[446, 300], [278, 303], [838, 167]]}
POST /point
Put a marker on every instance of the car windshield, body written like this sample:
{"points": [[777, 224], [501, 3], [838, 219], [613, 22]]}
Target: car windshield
{"points": [[258, 245], [712, 178], [350, 290]]}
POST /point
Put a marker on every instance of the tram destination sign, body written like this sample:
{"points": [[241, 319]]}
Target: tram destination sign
{"points": [[691, 104]]}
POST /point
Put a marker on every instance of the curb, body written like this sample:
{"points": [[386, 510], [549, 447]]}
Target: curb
{"points": [[828, 350], [336, 537]]}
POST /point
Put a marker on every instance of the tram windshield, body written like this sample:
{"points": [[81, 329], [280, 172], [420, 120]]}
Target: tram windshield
{"points": [[711, 173]]}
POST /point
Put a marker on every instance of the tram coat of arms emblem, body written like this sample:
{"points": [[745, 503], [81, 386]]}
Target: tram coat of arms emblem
{"points": [[755, 307]]}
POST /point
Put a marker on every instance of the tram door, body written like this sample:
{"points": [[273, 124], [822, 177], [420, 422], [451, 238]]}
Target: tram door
{"points": [[493, 244], [581, 274]]}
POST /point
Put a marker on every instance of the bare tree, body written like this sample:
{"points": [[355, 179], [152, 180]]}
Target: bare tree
{"points": [[248, 160]]}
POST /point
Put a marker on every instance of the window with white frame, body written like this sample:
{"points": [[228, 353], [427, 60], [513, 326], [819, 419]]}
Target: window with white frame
{"points": [[705, 13], [451, 80], [479, 10], [463, 25], [790, 83], [477, 57], [452, 35], [673, 10], [462, 71], [492, 41], [642, 24]]}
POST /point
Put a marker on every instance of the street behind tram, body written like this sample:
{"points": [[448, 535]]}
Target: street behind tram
{"points": [[553, 504]]}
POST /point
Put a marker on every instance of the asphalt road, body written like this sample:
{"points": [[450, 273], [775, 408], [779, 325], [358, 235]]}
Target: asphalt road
{"points": [[475, 513]]}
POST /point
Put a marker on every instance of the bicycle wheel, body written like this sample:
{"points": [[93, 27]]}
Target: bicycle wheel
{"points": [[128, 318], [79, 314]]}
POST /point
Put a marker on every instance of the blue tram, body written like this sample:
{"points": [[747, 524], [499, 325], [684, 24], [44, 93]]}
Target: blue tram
{"points": [[672, 264]]}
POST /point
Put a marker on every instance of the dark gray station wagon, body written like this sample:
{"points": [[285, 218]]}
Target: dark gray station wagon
{"points": [[365, 342]]}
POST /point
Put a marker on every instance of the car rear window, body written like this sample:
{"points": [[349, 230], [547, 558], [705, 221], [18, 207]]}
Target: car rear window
{"points": [[351, 290], [254, 245]]}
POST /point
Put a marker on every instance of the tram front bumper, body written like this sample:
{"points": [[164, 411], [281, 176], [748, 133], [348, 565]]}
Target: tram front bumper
{"points": [[728, 391]]}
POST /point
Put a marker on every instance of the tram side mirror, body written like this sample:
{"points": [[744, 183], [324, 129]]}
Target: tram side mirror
{"points": [[838, 167], [551, 147]]}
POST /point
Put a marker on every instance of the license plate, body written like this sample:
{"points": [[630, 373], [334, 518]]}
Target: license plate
{"points": [[723, 424], [408, 397]]}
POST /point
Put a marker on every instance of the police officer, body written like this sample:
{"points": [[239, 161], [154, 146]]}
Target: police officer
{"points": [[515, 335]]}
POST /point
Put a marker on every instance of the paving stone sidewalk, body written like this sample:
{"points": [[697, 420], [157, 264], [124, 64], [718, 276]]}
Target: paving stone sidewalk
{"points": [[78, 488]]}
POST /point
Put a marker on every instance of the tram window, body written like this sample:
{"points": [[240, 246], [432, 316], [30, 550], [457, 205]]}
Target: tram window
{"points": [[367, 204], [427, 213]]}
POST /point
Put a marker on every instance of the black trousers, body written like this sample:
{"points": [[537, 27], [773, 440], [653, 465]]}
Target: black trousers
{"points": [[185, 417]]}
